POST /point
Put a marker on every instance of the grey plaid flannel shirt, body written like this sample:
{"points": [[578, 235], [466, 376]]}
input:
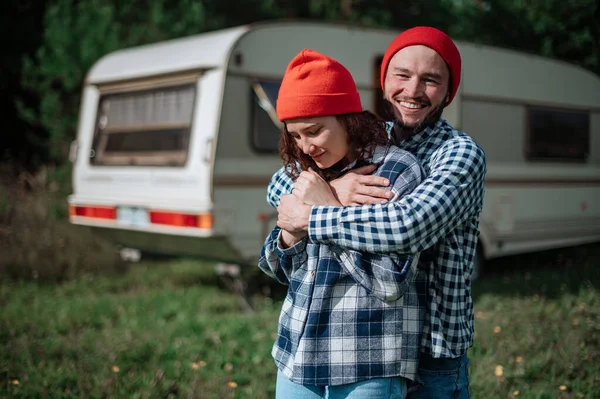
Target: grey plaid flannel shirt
{"points": [[441, 214], [348, 315]]}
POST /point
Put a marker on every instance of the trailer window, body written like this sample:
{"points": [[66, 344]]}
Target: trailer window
{"points": [[558, 135], [145, 128], [381, 106], [266, 128]]}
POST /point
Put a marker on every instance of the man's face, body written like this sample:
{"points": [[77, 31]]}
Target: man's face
{"points": [[416, 85]]}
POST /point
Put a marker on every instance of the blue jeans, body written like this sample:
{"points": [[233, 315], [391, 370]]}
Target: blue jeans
{"points": [[376, 388], [446, 378]]}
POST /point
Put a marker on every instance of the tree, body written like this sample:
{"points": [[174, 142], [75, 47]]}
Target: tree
{"points": [[554, 28], [19, 141]]}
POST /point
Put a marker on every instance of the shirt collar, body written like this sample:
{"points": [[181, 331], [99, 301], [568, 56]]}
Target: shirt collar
{"points": [[375, 157], [419, 138]]}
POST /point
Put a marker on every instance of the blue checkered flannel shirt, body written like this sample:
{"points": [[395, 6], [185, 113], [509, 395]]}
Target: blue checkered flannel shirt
{"points": [[348, 315], [441, 214]]}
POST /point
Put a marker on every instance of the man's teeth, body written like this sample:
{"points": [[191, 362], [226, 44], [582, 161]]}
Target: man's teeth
{"points": [[411, 105]]}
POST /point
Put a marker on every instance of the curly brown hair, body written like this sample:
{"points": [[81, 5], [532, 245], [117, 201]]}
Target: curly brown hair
{"points": [[365, 130]]}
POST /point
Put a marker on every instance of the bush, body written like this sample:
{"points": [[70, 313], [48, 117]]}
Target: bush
{"points": [[35, 244]]}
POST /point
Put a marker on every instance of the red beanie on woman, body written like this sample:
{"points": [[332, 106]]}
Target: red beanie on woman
{"points": [[432, 38], [316, 85]]}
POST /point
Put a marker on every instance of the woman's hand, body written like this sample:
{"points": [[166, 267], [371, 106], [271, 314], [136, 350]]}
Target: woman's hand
{"points": [[311, 189], [287, 239]]}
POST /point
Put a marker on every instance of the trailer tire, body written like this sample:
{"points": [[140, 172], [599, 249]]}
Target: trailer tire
{"points": [[130, 255], [478, 264]]}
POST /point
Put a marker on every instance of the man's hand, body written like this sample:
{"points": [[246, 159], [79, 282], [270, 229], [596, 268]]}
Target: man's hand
{"points": [[311, 189], [293, 214], [359, 187]]}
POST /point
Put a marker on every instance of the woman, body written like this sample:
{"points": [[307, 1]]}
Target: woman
{"points": [[350, 324]]}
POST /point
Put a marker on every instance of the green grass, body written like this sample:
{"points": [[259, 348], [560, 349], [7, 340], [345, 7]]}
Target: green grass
{"points": [[169, 330], [538, 317]]}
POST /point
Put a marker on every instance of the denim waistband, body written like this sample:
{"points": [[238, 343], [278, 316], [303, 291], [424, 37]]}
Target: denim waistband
{"points": [[429, 362]]}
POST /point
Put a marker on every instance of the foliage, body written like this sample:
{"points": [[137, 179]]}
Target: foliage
{"points": [[36, 241], [568, 30], [167, 330], [19, 143]]}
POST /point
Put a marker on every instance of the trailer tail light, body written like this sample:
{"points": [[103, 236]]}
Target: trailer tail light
{"points": [[203, 221], [97, 212]]}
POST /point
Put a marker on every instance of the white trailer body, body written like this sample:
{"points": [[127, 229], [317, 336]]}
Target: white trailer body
{"points": [[176, 140]]}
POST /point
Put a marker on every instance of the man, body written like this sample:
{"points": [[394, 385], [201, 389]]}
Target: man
{"points": [[420, 75]]}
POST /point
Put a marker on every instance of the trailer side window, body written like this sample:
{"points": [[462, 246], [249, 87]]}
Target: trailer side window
{"points": [[144, 128], [558, 135], [381, 107], [266, 128]]}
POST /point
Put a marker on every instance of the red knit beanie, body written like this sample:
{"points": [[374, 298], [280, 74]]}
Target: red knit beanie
{"points": [[316, 85], [432, 38]]}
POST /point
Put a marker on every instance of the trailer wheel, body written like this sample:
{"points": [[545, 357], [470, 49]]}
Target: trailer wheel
{"points": [[130, 255], [231, 275], [478, 264]]}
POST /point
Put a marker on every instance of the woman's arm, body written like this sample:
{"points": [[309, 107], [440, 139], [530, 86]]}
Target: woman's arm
{"points": [[279, 262], [386, 277], [282, 252]]}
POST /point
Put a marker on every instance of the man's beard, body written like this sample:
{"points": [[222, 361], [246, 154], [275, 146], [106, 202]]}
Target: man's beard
{"points": [[403, 131]]}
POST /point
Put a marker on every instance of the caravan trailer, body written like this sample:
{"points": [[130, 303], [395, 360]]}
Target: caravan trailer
{"points": [[177, 140]]}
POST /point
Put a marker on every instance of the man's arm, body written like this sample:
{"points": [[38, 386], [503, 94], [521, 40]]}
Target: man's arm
{"points": [[450, 195], [360, 187]]}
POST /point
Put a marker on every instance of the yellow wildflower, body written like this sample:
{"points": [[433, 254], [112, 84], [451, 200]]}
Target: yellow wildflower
{"points": [[499, 371]]}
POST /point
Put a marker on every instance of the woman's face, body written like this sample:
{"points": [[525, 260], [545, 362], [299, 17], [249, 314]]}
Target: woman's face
{"points": [[323, 138]]}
